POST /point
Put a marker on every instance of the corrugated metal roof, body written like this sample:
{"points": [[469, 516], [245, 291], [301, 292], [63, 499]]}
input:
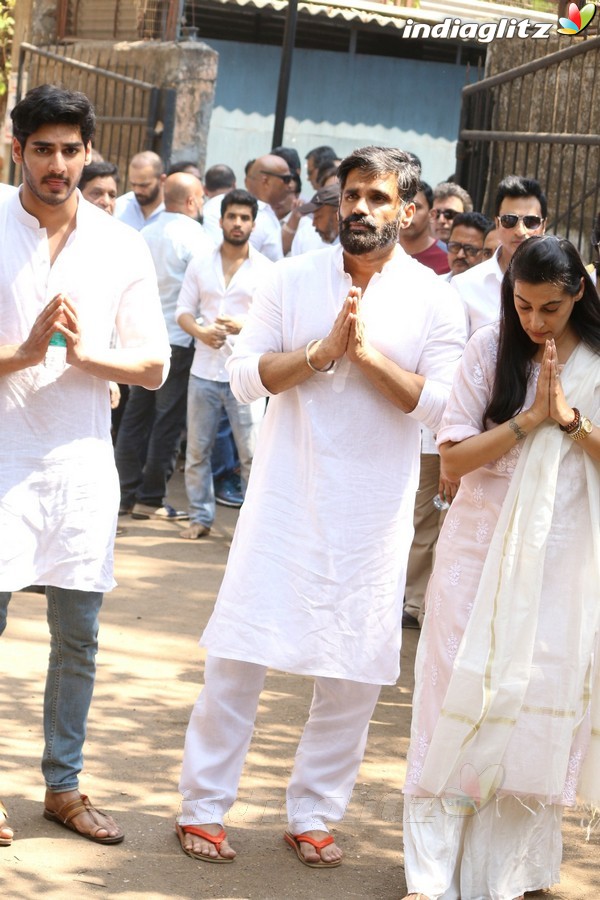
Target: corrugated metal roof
{"points": [[386, 14], [365, 13]]}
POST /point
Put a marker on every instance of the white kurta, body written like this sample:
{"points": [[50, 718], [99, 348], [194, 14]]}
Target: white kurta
{"points": [[505, 709], [542, 752], [59, 490], [316, 574]]}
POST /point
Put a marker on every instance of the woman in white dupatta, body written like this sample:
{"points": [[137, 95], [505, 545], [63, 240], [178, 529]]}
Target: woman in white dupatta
{"points": [[506, 710]]}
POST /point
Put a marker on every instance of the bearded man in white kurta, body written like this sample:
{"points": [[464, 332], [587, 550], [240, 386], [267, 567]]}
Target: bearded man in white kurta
{"points": [[356, 347], [66, 269]]}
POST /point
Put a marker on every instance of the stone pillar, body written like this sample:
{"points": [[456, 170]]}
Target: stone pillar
{"points": [[191, 69]]}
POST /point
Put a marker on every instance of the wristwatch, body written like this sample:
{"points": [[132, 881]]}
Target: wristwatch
{"points": [[585, 428]]}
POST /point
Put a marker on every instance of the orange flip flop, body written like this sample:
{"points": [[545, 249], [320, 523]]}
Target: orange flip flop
{"points": [[295, 840], [216, 839]]}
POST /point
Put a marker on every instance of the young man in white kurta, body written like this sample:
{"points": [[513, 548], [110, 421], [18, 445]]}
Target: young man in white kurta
{"points": [[316, 573], [58, 483]]}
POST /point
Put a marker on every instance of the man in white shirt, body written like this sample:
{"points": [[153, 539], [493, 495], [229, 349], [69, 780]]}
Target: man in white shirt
{"points": [[520, 211], [352, 364], [151, 427], [6, 191], [144, 202], [218, 180], [213, 304], [59, 305], [269, 179]]}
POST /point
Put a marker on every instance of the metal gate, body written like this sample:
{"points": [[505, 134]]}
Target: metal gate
{"points": [[542, 120], [132, 114]]}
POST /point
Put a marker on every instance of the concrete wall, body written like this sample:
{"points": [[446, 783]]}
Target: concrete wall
{"points": [[338, 99]]}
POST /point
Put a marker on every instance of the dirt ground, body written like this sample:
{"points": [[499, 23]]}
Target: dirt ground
{"points": [[149, 674]]}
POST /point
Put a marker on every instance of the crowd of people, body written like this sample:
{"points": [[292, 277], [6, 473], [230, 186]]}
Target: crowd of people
{"points": [[401, 395]]}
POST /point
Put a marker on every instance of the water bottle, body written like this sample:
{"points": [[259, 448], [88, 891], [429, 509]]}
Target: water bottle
{"points": [[440, 503], [56, 354]]}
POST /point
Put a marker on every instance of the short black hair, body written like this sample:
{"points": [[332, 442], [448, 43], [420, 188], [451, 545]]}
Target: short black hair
{"points": [[381, 161], [517, 186], [219, 177], [239, 197], [52, 105], [472, 220], [427, 192], [98, 170], [319, 155], [181, 166], [327, 170], [291, 157]]}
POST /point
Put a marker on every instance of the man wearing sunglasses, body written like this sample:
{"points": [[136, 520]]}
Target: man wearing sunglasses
{"points": [[449, 200], [269, 180], [520, 212], [466, 244]]}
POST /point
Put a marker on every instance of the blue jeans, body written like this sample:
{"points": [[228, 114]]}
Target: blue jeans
{"points": [[73, 624], [149, 434], [224, 459], [206, 400]]}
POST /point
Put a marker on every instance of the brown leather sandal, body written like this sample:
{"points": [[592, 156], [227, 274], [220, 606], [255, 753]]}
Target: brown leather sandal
{"points": [[67, 812]]}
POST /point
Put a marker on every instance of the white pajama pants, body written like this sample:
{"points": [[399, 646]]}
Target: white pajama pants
{"points": [[498, 853], [220, 729]]}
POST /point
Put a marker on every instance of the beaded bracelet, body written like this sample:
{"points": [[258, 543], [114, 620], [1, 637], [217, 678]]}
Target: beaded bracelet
{"points": [[574, 425], [330, 368]]}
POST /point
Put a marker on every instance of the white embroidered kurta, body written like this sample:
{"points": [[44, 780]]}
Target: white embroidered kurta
{"points": [[59, 491], [316, 573], [506, 710]]}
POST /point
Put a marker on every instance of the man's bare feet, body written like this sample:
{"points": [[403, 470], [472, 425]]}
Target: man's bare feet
{"points": [[207, 842], [315, 848], [6, 833], [74, 811], [416, 897]]}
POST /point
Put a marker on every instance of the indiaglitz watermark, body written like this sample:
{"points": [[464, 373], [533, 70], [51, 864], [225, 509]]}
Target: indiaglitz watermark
{"points": [[484, 32]]}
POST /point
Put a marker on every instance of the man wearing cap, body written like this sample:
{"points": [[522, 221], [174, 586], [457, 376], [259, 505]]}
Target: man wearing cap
{"points": [[324, 207]]}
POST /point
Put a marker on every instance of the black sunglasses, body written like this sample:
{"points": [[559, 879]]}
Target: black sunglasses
{"points": [[444, 213], [287, 179], [468, 249], [509, 220]]}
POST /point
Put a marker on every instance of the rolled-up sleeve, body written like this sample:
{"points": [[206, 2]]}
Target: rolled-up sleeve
{"points": [[440, 357]]}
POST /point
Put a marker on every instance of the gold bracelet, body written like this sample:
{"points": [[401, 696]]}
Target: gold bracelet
{"points": [[520, 435], [330, 368], [289, 230]]}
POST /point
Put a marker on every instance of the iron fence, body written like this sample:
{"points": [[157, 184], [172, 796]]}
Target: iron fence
{"points": [[542, 120]]}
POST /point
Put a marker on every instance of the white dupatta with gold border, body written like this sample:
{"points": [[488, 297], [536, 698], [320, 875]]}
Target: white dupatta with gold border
{"points": [[505, 726]]}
